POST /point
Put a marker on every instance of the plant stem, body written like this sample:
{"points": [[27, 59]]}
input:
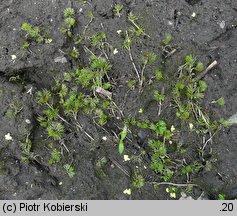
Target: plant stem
{"points": [[173, 184], [200, 76]]}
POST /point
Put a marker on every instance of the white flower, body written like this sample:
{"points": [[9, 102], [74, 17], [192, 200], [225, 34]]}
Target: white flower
{"points": [[173, 195], [28, 121], [194, 14], [172, 129], [126, 158], [140, 110], [190, 126], [104, 138], [48, 40], [13, 57], [127, 191], [119, 31], [115, 51], [8, 136]]}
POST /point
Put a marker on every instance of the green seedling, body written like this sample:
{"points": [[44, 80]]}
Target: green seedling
{"points": [[14, 109], [69, 20], [43, 97], [159, 97], [133, 19], [74, 53], [98, 40], [172, 191], [168, 39], [15, 79], [220, 101], [123, 135], [158, 153], [117, 10], [68, 12], [99, 167], [137, 181], [70, 170], [158, 74], [55, 130], [33, 33], [222, 196], [55, 157], [225, 123], [26, 149]]}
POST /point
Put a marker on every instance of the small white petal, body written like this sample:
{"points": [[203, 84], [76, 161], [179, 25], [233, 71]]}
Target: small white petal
{"points": [[104, 138], [194, 14], [170, 23], [126, 158], [28, 121], [13, 57], [8, 136], [127, 191], [119, 31], [222, 24], [115, 51], [172, 129], [173, 195]]}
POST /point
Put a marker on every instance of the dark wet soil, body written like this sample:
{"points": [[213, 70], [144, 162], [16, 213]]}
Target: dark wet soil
{"points": [[210, 34]]}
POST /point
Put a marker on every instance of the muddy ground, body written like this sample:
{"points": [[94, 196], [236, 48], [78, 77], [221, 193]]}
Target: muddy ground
{"points": [[210, 35]]}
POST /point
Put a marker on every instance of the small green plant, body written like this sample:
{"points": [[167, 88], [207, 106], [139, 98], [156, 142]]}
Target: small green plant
{"points": [[55, 157], [158, 74], [55, 130], [69, 20], [33, 33], [98, 40], [159, 96], [187, 94], [26, 149], [220, 101], [70, 170], [137, 181], [99, 167], [117, 10], [158, 153], [222, 196], [68, 12], [225, 123], [123, 135], [132, 83], [168, 39], [136, 28], [74, 53], [172, 192], [14, 109]]}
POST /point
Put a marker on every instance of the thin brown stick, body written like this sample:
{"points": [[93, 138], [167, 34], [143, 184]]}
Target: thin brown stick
{"points": [[133, 63], [203, 74], [117, 164], [104, 92], [173, 184]]}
